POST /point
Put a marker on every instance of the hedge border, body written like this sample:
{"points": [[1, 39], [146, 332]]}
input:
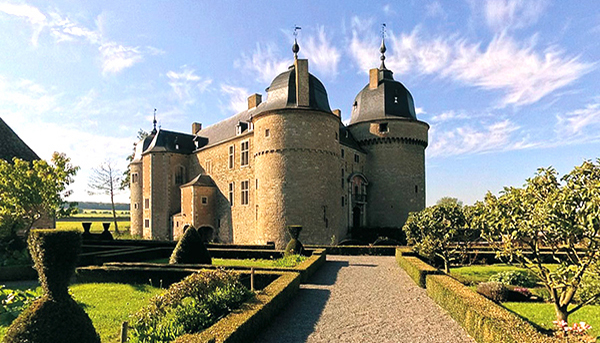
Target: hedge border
{"points": [[484, 320], [352, 250], [414, 267], [18, 273], [306, 269], [243, 324]]}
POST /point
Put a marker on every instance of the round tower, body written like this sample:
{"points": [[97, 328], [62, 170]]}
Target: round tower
{"points": [[296, 156], [385, 125], [136, 186]]}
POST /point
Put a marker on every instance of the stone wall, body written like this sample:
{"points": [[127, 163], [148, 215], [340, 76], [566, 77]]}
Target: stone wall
{"points": [[137, 199]]}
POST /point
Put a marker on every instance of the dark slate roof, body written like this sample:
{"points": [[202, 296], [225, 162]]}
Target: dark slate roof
{"points": [[282, 93], [389, 100], [170, 141], [12, 146], [226, 128], [347, 139], [141, 146], [201, 180]]}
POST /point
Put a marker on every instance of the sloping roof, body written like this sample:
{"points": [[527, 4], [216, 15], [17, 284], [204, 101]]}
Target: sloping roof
{"points": [[347, 139], [170, 141], [201, 180], [225, 129], [12, 146]]}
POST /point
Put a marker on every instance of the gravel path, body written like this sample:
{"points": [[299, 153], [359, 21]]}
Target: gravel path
{"points": [[362, 299]]}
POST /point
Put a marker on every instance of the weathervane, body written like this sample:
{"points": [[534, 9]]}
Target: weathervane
{"points": [[295, 47], [154, 122], [382, 49]]}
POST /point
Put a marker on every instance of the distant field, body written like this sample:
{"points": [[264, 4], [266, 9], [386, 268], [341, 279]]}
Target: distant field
{"points": [[96, 227]]}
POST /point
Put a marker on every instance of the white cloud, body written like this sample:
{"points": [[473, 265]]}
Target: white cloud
{"points": [[186, 83], [419, 110], [470, 139], [580, 124], [513, 14], [26, 95], [322, 53], [264, 62], [448, 115], [435, 10], [523, 74], [116, 57], [388, 10], [238, 97]]}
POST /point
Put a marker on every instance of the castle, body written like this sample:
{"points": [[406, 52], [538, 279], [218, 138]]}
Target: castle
{"points": [[288, 160]]}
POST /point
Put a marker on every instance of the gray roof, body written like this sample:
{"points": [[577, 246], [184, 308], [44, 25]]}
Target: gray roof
{"points": [[13, 146], [389, 100], [226, 129], [347, 139], [201, 180]]}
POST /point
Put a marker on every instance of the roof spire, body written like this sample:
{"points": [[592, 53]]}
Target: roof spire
{"points": [[382, 49], [154, 122], [296, 47]]}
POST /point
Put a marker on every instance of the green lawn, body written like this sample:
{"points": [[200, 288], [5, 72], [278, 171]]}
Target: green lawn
{"points": [[97, 228], [543, 314], [475, 274], [290, 262], [108, 305]]}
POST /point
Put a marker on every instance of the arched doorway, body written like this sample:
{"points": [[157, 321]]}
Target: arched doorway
{"points": [[206, 232], [356, 217]]}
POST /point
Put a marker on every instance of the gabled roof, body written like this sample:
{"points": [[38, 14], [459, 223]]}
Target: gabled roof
{"points": [[12, 146], [170, 141]]}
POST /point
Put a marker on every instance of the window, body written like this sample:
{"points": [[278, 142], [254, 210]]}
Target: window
{"points": [[267, 133], [256, 183], [208, 166], [231, 188], [244, 153], [416, 189], [342, 178], [342, 153], [134, 177], [179, 175], [383, 127], [343, 201], [204, 200], [146, 203], [356, 158], [135, 206], [146, 222], [336, 136], [231, 156], [245, 192]]}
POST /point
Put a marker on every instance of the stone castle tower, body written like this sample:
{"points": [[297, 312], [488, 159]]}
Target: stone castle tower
{"points": [[286, 161]]}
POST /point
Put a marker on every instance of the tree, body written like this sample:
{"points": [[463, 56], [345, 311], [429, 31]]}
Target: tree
{"points": [[127, 173], [29, 191], [435, 232], [549, 217], [106, 180], [449, 201]]}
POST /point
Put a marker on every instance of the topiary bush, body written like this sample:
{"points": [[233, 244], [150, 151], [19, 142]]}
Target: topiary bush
{"points": [[520, 278], [189, 306], [294, 246], [494, 291], [190, 249], [55, 317]]}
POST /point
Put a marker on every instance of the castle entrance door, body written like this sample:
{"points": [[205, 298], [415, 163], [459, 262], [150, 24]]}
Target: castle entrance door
{"points": [[356, 217]]}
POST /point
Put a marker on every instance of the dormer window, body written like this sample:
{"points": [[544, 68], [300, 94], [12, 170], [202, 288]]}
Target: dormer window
{"points": [[383, 127], [240, 128]]}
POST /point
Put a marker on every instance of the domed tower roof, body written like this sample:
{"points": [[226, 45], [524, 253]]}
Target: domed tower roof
{"points": [[289, 90], [383, 97]]}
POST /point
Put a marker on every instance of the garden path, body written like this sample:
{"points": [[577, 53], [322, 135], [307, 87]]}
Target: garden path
{"points": [[362, 299]]}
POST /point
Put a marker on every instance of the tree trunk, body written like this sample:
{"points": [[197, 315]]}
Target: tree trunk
{"points": [[561, 312], [446, 266], [112, 202]]}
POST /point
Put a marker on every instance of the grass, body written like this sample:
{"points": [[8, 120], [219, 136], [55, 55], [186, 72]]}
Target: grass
{"points": [[107, 304], [289, 262], [101, 213], [97, 228], [542, 314]]}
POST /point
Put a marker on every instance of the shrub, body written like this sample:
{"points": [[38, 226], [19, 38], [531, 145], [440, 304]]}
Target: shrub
{"points": [[55, 317], [190, 249], [520, 278], [189, 306], [590, 286], [13, 302], [294, 246], [494, 291]]}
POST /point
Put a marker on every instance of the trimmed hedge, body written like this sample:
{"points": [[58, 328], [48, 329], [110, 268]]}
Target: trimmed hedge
{"points": [[485, 321], [16, 273], [243, 324], [415, 268], [190, 249], [353, 250], [55, 317]]}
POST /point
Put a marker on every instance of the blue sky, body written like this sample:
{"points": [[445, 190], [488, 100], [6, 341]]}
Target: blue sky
{"points": [[507, 86]]}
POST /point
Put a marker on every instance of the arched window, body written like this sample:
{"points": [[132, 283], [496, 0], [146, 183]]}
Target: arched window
{"points": [[179, 175]]}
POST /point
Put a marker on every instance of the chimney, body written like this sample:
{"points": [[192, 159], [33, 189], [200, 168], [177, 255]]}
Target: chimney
{"points": [[373, 78], [302, 97], [338, 113], [196, 127], [254, 100]]}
